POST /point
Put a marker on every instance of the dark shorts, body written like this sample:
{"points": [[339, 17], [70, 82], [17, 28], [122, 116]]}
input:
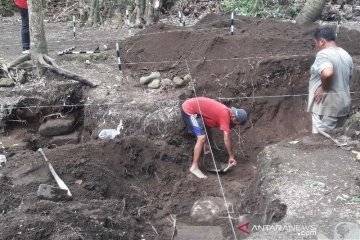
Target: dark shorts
{"points": [[194, 123]]}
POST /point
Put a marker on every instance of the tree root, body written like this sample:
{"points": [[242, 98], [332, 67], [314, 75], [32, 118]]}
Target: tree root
{"points": [[48, 63], [19, 60]]}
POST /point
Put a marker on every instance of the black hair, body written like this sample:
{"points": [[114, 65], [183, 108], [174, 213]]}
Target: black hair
{"points": [[325, 32]]}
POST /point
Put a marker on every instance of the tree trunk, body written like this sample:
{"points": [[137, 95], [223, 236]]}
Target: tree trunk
{"points": [[138, 13], [37, 33], [109, 10], [94, 17], [82, 12], [157, 9], [311, 11], [38, 47], [150, 13]]}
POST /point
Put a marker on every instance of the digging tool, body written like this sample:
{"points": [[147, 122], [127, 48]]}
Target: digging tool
{"points": [[58, 180], [341, 145], [222, 169]]}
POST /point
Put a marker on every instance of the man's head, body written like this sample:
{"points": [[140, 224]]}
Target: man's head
{"points": [[238, 116], [322, 36]]}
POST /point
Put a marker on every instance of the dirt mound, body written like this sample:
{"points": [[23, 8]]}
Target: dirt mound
{"points": [[262, 59]]}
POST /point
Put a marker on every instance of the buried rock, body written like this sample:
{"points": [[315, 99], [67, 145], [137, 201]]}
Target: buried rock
{"points": [[187, 78], [52, 193], [208, 209], [148, 79], [352, 126], [166, 82], [178, 82], [72, 138], [181, 82], [187, 232], [6, 82], [55, 127], [155, 84]]}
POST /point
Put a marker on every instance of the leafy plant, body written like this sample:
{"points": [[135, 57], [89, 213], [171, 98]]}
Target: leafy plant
{"points": [[293, 11], [245, 7]]}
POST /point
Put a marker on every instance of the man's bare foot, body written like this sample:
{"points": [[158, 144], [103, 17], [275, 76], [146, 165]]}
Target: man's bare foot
{"points": [[196, 171]]}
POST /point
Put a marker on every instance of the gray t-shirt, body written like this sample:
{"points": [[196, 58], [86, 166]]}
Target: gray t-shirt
{"points": [[338, 100]]}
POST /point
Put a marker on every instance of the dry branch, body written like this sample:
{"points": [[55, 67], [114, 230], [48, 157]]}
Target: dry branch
{"points": [[19, 60], [49, 63]]}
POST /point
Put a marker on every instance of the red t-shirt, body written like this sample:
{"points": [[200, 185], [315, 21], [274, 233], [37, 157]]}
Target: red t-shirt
{"points": [[215, 114], [21, 3]]}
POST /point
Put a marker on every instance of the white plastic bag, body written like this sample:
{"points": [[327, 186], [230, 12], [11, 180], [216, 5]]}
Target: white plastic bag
{"points": [[108, 133], [2, 159], [111, 133]]}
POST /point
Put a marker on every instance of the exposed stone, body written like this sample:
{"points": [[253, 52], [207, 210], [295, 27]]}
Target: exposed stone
{"points": [[28, 174], [187, 232], [52, 193], [187, 78], [59, 126], [166, 82], [179, 82], [208, 209], [347, 230], [6, 82], [147, 79], [298, 186], [72, 138], [352, 126], [356, 11], [155, 84]]}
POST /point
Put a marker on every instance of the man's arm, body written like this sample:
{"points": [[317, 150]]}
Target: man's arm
{"points": [[326, 77], [228, 145]]}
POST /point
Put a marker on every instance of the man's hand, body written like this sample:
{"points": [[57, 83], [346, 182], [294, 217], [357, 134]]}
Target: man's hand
{"points": [[232, 162], [320, 95]]}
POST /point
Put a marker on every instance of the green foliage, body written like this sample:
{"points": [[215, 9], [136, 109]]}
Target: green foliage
{"points": [[278, 13], [7, 8], [244, 7], [265, 8], [293, 11]]}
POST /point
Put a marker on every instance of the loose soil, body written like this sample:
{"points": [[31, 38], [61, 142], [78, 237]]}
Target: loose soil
{"points": [[127, 188]]}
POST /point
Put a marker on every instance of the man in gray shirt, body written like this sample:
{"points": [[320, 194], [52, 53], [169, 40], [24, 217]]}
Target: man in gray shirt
{"points": [[329, 91]]}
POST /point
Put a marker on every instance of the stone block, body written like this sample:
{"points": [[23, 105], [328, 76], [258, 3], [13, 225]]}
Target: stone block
{"points": [[55, 127], [155, 84], [147, 79], [6, 82], [187, 78], [179, 82], [52, 193], [166, 82], [72, 138], [352, 126]]}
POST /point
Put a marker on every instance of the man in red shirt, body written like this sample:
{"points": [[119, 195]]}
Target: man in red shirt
{"points": [[196, 111], [25, 33]]}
